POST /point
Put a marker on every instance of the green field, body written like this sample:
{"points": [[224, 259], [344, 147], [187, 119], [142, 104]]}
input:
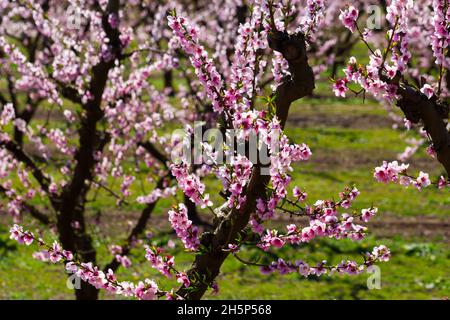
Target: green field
{"points": [[347, 141]]}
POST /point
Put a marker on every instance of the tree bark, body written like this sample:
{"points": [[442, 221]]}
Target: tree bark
{"points": [[26, 115], [86, 292], [168, 82], [417, 107]]}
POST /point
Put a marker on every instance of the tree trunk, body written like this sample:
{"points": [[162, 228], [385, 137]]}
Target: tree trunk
{"points": [[168, 82], [86, 292]]}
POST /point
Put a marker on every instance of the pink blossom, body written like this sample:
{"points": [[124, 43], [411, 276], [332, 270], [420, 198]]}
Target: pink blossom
{"points": [[146, 290], [427, 90], [381, 253], [422, 181], [23, 237], [431, 151], [183, 279], [442, 182], [184, 228], [348, 17], [367, 214], [389, 171], [124, 261], [340, 88], [298, 194], [163, 264]]}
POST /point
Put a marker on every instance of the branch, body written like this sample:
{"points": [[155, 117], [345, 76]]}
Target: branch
{"points": [[12, 92], [206, 266], [155, 153], [21, 156], [34, 212], [69, 92]]}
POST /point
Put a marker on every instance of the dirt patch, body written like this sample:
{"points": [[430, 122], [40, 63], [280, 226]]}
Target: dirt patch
{"points": [[358, 121], [418, 226], [325, 160]]}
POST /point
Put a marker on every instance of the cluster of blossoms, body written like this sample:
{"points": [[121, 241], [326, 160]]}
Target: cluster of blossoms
{"points": [[324, 221], [282, 156], [412, 148], [398, 15], [34, 77], [340, 87], [205, 70], [279, 69], [411, 29], [313, 18], [59, 59], [143, 290], [86, 271], [236, 175], [166, 265], [246, 64], [156, 194], [281, 159], [378, 254], [123, 260], [191, 185], [397, 173], [380, 76], [441, 35], [69, 59], [369, 77], [299, 195], [234, 179], [183, 227], [23, 237]]}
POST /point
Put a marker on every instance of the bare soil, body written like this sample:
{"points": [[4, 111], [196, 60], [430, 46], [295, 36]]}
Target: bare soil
{"points": [[357, 121]]}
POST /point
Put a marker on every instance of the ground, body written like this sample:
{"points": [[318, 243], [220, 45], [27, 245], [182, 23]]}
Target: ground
{"points": [[347, 141]]}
